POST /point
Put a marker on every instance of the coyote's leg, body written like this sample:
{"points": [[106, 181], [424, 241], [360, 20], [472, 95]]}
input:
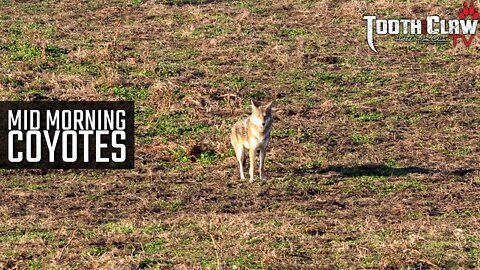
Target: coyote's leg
{"points": [[252, 163], [262, 164], [241, 157]]}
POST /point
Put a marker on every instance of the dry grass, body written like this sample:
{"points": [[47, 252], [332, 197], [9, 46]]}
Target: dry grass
{"points": [[373, 161]]}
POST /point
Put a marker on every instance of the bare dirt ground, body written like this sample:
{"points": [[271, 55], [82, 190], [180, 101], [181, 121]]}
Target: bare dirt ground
{"points": [[373, 162]]}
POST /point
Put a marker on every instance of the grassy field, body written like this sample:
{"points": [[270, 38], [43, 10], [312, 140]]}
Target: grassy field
{"points": [[373, 161]]}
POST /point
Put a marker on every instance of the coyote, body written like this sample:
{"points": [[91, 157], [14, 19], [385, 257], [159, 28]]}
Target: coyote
{"points": [[252, 134]]}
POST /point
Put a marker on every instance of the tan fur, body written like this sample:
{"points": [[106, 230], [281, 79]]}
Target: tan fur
{"points": [[252, 134]]}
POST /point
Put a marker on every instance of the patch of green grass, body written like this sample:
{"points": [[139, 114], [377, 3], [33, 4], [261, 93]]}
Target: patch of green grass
{"points": [[179, 56], [27, 233], [55, 51], [133, 71], [289, 246], [32, 7], [307, 85], [144, 114], [143, 73], [243, 261], [438, 108], [462, 137], [257, 64], [252, 7], [307, 186], [329, 77], [83, 68], [11, 237], [184, 2], [472, 251], [298, 81], [34, 264], [299, 252], [391, 163], [253, 240], [369, 77], [33, 92], [180, 155], [414, 185], [438, 147], [157, 228], [237, 82], [284, 133], [385, 187], [363, 116], [309, 211], [368, 116], [27, 186], [152, 262], [176, 123], [476, 181], [118, 228], [280, 243], [293, 32], [313, 166], [167, 70], [363, 138], [209, 157], [461, 151], [95, 251], [24, 52], [210, 31], [172, 206], [255, 95], [40, 234], [130, 93], [377, 100], [12, 82], [184, 168], [287, 160], [154, 247]]}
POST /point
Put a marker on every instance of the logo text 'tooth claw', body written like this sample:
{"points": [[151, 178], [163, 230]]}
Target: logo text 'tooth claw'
{"points": [[432, 25]]}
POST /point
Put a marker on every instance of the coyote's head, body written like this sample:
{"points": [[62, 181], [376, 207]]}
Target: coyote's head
{"points": [[261, 114]]}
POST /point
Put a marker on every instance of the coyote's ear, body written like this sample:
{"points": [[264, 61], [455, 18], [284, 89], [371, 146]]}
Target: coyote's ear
{"points": [[254, 106]]}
